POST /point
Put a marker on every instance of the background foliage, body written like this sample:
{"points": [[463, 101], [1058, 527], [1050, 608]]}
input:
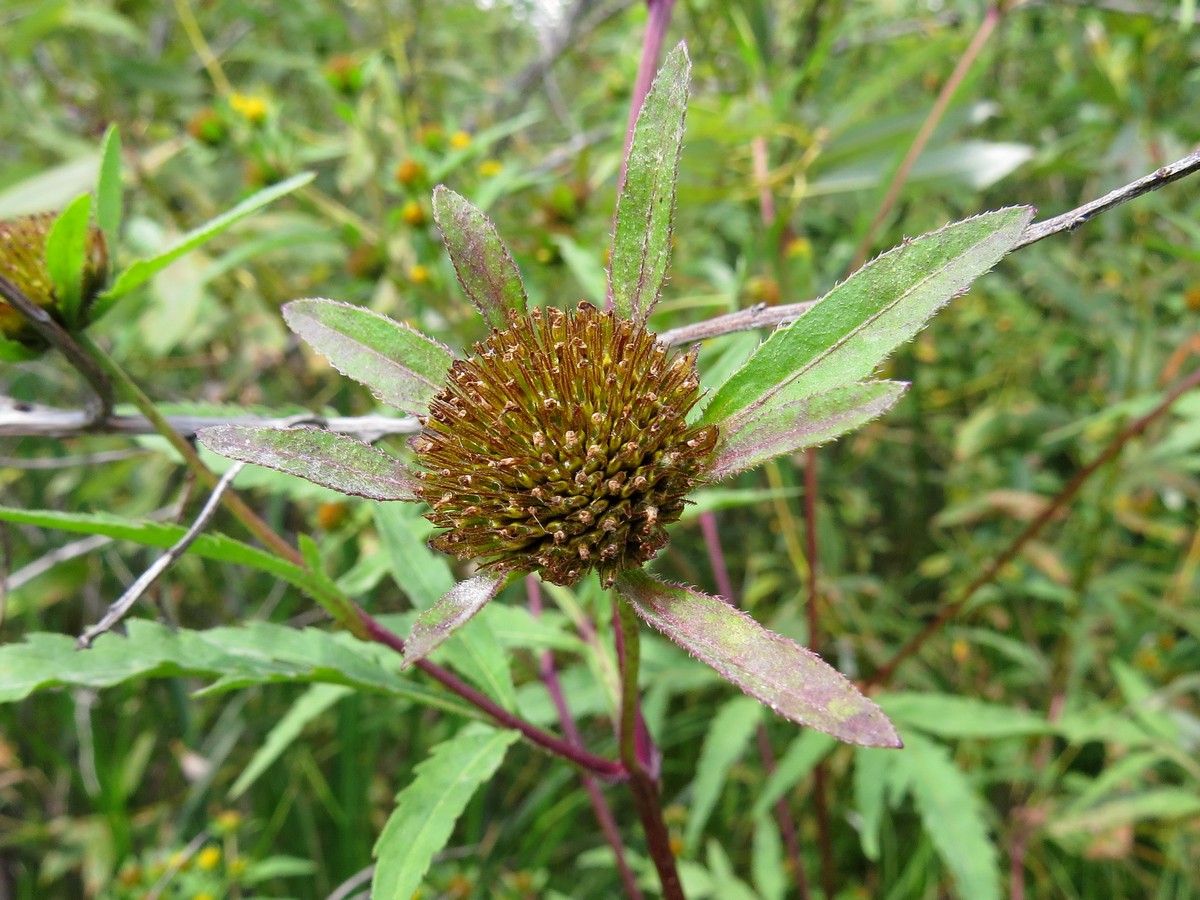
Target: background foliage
{"points": [[1051, 729]]}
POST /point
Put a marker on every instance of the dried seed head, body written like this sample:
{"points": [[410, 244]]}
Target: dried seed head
{"points": [[561, 446], [23, 262]]}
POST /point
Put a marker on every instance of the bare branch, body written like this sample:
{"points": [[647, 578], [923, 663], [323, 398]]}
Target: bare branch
{"points": [[1069, 221], [123, 603]]}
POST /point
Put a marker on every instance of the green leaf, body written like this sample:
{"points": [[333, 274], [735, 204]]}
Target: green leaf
{"points": [[66, 255], [953, 815], [584, 265], [950, 716], [791, 680], [1148, 805], [872, 769], [854, 327], [401, 366], [801, 757], [478, 655], [422, 573], [237, 657], [767, 867], [433, 626], [782, 426], [307, 707], [642, 233], [724, 743], [322, 457], [109, 188], [483, 264], [143, 270], [427, 809]]}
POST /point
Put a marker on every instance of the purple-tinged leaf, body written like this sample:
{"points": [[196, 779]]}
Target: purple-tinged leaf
{"points": [[484, 266], [642, 233], [322, 457], [853, 328], [401, 366], [440, 621], [781, 426], [791, 680]]}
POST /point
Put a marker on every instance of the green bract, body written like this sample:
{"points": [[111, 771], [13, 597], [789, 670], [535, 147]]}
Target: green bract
{"points": [[560, 445]]}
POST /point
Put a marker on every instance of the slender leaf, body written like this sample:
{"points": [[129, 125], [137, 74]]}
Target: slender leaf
{"points": [[771, 878], [793, 681], [427, 809], [780, 426], [642, 233], [310, 704], [855, 326], [483, 264], [962, 717], [1167, 803], [724, 743], [322, 457], [422, 573], [872, 768], [477, 654], [953, 815], [401, 366], [454, 610], [802, 756], [109, 188], [66, 255], [237, 657], [143, 270]]}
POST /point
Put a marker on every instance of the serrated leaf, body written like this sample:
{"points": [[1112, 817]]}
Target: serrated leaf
{"points": [[724, 743], [854, 327], [322, 457], [791, 680], [307, 707], [641, 243], [802, 756], [237, 657], [477, 654], [483, 264], [953, 816], [947, 715], [433, 626], [66, 256], [782, 426], [143, 270], [401, 366], [427, 809], [109, 188]]}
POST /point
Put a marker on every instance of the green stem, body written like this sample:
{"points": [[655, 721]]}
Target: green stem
{"points": [[645, 790]]}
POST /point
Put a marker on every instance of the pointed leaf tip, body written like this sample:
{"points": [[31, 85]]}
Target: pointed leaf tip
{"points": [[326, 458], [790, 679], [482, 262], [438, 623], [642, 233]]}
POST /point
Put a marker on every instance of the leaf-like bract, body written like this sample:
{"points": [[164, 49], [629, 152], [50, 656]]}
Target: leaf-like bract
{"points": [[66, 256], [642, 233], [322, 457], [401, 366], [483, 264], [436, 624], [790, 679], [854, 327], [784, 426]]}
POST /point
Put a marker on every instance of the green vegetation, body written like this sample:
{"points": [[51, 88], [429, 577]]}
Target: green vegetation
{"points": [[1007, 561]]}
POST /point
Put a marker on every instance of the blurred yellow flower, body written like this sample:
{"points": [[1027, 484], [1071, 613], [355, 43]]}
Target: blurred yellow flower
{"points": [[418, 274], [252, 109], [460, 140], [209, 858], [413, 213], [490, 168]]}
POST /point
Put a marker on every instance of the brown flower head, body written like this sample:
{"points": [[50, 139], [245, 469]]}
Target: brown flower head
{"points": [[561, 445]]}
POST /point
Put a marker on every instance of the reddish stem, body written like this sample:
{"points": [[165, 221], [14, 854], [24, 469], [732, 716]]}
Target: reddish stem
{"points": [[603, 768], [600, 807]]}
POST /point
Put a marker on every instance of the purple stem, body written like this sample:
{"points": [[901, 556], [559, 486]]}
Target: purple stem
{"points": [[602, 768], [600, 807]]}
